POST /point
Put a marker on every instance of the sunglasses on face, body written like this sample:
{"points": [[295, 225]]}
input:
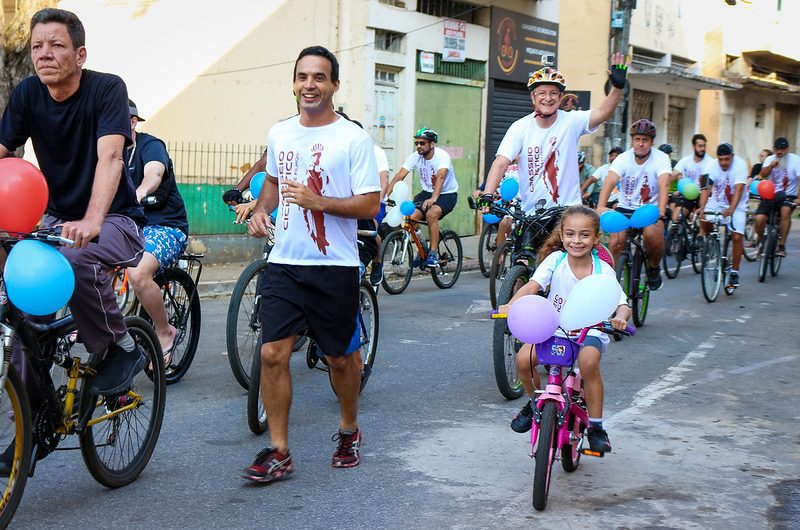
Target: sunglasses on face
{"points": [[420, 143]]}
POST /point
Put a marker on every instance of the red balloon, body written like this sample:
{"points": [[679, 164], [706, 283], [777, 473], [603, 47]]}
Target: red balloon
{"points": [[23, 195], [766, 189]]}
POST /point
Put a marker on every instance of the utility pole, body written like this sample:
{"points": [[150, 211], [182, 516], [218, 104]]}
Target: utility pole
{"points": [[619, 36]]}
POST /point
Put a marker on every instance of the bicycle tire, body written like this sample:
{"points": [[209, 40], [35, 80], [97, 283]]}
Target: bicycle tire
{"points": [[487, 244], [243, 323], [256, 414], [766, 252], [152, 387], [727, 251], [501, 262], [122, 291], [750, 237], [673, 251], [178, 290], [711, 279], [640, 290], [397, 260], [697, 253], [544, 455], [775, 260], [451, 258], [17, 410], [570, 453], [504, 345], [369, 323]]}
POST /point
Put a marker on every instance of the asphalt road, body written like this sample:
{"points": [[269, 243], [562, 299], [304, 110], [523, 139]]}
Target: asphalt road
{"points": [[701, 408]]}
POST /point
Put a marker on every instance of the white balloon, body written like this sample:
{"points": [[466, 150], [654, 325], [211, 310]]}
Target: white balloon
{"points": [[394, 217], [400, 192], [592, 300]]}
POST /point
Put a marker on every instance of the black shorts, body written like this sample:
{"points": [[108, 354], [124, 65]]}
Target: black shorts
{"points": [[627, 212], [320, 298], [446, 201], [680, 200], [765, 205]]}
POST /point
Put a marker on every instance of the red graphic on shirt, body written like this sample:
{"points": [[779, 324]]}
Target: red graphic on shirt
{"points": [[315, 220], [550, 176], [785, 183], [645, 191], [728, 193]]}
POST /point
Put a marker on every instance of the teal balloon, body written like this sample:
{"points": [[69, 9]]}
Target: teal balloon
{"points": [[407, 208], [613, 221], [509, 189], [256, 183], [691, 191], [645, 215], [491, 219], [39, 279], [754, 187]]}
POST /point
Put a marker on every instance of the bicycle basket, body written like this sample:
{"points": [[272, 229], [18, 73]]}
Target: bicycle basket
{"points": [[558, 351]]}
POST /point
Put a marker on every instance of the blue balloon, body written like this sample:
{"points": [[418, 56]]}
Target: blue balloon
{"points": [[407, 208], [613, 221], [39, 279], [645, 215], [754, 188], [683, 182], [509, 189], [256, 183], [491, 219]]}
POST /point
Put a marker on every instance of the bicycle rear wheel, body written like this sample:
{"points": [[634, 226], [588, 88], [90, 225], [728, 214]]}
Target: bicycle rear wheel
{"points": [[256, 414], [116, 450], [639, 290], [501, 262], [122, 290], [775, 260], [368, 322], [767, 248], [397, 258], [544, 455], [750, 239], [183, 312], [673, 250], [486, 247], [504, 345], [15, 438], [697, 253], [243, 326], [727, 251], [451, 256], [711, 279]]}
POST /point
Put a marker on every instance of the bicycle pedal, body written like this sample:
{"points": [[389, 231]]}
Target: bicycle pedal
{"points": [[589, 452]]}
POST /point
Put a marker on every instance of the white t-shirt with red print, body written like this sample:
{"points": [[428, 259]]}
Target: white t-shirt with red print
{"points": [[548, 158], [723, 184], [690, 169], [334, 160], [785, 174], [427, 170], [638, 183]]}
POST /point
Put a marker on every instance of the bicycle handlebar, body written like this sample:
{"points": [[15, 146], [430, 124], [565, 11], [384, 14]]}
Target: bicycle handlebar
{"points": [[604, 326]]}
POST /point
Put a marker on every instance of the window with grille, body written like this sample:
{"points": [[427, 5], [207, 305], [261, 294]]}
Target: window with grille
{"points": [[386, 77], [388, 41], [395, 3], [642, 105], [469, 69], [474, 14]]}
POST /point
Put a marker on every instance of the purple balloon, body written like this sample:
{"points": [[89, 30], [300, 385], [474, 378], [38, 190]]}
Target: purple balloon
{"points": [[532, 319]]}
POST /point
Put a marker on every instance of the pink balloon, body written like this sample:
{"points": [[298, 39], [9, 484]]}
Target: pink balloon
{"points": [[532, 319]]}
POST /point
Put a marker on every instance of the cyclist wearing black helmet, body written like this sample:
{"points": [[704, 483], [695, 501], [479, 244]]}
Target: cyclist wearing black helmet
{"points": [[439, 187], [643, 174], [546, 141], [782, 168]]}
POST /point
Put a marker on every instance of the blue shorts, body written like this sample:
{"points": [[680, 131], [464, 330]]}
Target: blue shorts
{"points": [[165, 243], [594, 342]]}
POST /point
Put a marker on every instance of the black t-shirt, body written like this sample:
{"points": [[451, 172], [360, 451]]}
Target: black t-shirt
{"points": [[170, 210], [65, 134]]}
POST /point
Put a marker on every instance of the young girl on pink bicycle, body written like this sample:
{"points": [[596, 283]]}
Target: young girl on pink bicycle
{"points": [[568, 256]]}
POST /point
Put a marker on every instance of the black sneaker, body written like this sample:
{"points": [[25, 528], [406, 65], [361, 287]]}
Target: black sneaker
{"points": [[115, 372], [523, 421], [733, 279], [269, 465], [348, 452], [598, 440], [376, 275], [654, 280]]}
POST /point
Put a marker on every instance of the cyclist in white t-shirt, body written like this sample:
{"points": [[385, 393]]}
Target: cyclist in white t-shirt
{"points": [[439, 193], [783, 169], [726, 193], [546, 141], [321, 174], [599, 178], [693, 167], [643, 175]]}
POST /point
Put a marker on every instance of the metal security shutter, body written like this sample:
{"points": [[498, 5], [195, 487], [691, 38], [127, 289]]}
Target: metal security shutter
{"points": [[508, 102], [642, 106]]}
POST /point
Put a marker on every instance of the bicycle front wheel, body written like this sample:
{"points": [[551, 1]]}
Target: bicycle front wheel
{"points": [[727, 251], [486, 247], [451, 256], [775, 260], [697, 253], [711, 279], [750, 239], [368, 323], [546, 447], [117, 449], [397, 257], [15, 437], [639, 290], [504, 345], [673, 251], [256, 414], [243, 326]]}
